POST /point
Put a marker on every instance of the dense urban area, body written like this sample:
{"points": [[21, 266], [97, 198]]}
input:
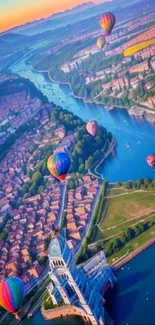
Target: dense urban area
{"points": [[116, 218]]}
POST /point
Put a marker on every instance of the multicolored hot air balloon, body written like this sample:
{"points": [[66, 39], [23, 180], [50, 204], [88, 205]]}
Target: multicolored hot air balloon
{"points": [[58, 165], [101, 42], [11, 294], [136, 48], [107, 22], [151, 160], [92, 128]]}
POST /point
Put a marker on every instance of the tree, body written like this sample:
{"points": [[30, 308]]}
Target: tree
{"points": [[6, 218], [40, 189], [123, 238], [137, 230], [32, 189], [81, 169], [141, 227], [97, 155], [37, 178], [42, 260], [139, 182], [99, 246], [28, 263], [150, 187], [129, 233], [118, 184], [25, 189], [71, 184], [47, 242], [19, 201], [110, 249], [128, 185], [30, 173], [64, 220]]}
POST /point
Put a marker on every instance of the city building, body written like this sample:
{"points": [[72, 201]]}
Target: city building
{"points": [[144, 66], [78, 286], [146, 53]]}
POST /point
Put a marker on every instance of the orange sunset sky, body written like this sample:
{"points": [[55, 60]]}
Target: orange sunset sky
{"points": [[18, 12]]}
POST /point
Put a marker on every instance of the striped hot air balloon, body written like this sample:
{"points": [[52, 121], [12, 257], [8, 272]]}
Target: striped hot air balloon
{"points": [[92, 128], [11, 294], [151, 160], [107, 22], [58, 165]]}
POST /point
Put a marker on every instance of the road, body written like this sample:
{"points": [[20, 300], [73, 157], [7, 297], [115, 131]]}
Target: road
{"points": [[62, 203], [77, 250], [100, 161]]}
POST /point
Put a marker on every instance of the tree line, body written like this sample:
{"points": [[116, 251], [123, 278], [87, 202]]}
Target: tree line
{"points": [[85, 252], [129, 234], [143, 184]]}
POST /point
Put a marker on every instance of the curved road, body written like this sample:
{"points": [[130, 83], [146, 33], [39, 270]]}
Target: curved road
{"points": [[100, 161]]}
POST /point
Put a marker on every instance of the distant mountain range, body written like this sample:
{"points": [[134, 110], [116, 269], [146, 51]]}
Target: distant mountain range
{"points": [[13, 37], [76, 9], [71, 16]]}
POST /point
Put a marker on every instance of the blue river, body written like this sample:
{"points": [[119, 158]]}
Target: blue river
{"points": [[132, 301], [135, 136]]}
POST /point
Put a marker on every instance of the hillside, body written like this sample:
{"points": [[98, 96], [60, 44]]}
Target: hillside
{"points": [[79, 13]]}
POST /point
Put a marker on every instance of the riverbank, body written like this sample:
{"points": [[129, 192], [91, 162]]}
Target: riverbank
{"points": [[75, 96], [132, 255], [93, 169], [147, 113]]}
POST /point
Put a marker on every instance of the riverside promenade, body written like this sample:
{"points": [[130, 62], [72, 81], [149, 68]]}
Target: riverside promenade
{"points": [[133, 254]]}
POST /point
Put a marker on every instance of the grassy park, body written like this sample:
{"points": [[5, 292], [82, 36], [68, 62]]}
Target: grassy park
{"points": [[125, 219], [128, 206]]}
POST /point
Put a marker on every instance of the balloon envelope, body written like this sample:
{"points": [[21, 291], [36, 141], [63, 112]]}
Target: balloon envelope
{"points": [[101, 42], [11, 294], [136, 48], [151, 160], [107, 22], [92, 128], [58, 165]]}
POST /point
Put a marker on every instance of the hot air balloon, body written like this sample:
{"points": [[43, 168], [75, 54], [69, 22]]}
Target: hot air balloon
{"points": [[92, 128], [151, 160], [58, 165], [136, 48], [101, 42], [107, 22], [11, 294]]}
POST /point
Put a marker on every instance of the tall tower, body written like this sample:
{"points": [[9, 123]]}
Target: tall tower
{"points": [[78, 286]]}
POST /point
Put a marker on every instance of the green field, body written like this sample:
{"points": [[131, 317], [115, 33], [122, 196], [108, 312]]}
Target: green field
{"points": [[126, 207], [120, 215], [120, 228], [117, 191]]}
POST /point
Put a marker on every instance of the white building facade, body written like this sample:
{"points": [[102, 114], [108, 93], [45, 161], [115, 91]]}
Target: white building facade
{"points": [[84, 286]]}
